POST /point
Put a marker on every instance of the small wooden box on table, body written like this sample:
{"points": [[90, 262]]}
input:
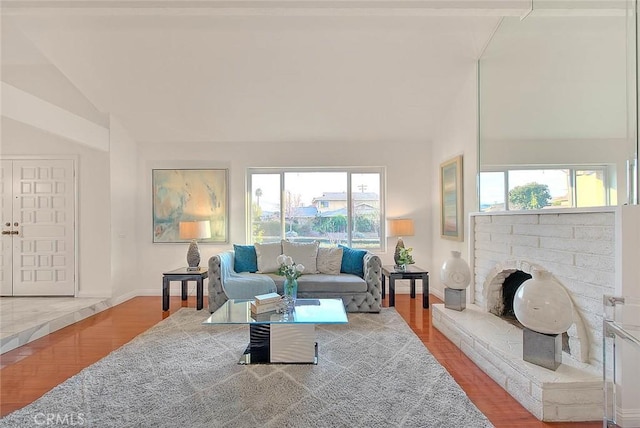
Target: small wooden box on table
{"points": [[411, 273], [184, 275]]}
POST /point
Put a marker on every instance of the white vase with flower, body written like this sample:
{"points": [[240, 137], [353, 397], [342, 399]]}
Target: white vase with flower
{"points": [[291, 272]]}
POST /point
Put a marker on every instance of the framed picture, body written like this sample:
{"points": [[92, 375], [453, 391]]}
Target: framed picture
{"points": [[451, 210], [190, 195]]}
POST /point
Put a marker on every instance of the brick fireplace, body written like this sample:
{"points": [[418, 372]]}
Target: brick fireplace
{"points": [[578, 248]]}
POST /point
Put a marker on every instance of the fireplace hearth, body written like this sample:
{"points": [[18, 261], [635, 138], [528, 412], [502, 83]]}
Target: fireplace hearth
{"points": [[572, 393]]}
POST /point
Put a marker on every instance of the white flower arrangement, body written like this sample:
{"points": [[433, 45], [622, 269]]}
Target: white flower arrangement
{"points": [[288, 268]]}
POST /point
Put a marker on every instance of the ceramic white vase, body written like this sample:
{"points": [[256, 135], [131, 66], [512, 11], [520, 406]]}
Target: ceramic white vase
{"points": [[543, 305], [455, 272]]}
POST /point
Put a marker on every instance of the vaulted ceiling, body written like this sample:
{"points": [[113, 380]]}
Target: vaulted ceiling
{"points": [[198, 71]]}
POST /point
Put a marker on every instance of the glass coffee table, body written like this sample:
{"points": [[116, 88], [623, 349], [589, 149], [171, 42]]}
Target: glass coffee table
{"points": [[287, 338]]}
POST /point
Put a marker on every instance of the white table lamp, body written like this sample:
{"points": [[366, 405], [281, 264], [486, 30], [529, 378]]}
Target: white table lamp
{"points": [[400, 227]]}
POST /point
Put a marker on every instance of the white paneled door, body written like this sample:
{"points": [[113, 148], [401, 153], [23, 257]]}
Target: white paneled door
{"points": [[38, 228]]}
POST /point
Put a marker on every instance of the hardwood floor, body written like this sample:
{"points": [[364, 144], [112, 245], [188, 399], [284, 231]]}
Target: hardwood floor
{"points": [[26, 373]]}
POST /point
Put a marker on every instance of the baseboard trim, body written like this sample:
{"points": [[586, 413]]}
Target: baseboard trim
{"points": [[123, 298], [628, 417], [436, 292], [84, 294]]}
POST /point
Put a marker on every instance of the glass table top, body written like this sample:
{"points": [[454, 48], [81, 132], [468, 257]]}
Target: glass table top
{"points": [[307, 311]]}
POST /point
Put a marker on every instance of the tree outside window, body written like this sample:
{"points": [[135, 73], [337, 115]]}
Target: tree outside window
{"points": [[531, 196]]}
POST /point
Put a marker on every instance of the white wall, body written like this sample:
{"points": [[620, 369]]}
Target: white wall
{"points": [[94, 202], [124, 211], [457, 136], [24, 66], [408, 190]]}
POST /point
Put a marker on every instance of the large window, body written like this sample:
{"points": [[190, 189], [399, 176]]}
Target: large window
{"points": [[523, 189], [331, 206]]}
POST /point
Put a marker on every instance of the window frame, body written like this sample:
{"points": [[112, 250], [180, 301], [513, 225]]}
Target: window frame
{"points": [[380, 170], [605, 168]]}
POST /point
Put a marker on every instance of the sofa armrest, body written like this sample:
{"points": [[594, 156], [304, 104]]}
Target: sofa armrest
{"points": [[217, 296], [372, 276]]}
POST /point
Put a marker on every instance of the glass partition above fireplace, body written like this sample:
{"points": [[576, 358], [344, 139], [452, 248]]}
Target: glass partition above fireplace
{"points": [[557, 107], [522, 188]]}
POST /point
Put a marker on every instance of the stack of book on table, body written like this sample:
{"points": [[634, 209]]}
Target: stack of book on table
{"points": [[266, 303]]}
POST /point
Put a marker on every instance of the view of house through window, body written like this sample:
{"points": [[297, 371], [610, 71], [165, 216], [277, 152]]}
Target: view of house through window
{"points": [[526, 189], [329, 206]]}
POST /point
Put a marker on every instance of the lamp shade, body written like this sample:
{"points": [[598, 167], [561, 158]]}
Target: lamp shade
{"points": [[195, 229], [401, 227]]}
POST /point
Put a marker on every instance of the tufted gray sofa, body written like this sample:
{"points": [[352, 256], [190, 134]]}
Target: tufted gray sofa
{"points": [[358, 294]]}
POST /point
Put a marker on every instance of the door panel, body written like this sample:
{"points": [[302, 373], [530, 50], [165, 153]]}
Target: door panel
{"points": [[43, 208], [6, 216]]}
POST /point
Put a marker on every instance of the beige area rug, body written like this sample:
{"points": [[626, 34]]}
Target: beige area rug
{"points": [[372, 372]]}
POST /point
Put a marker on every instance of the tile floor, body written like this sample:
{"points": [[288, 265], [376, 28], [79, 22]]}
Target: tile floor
{"points": [[24, 319]]}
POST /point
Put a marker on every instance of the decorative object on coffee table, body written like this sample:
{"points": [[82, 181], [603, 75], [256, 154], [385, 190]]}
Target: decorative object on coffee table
{"points": [[400, 227], [290, 292], [264, 303], [545, 309], [456, 276], [194, 230], [291, 271]]}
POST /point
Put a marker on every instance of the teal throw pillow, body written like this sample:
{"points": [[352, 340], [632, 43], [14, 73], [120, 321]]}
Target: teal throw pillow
{"points": [[352, 261], [245, 259]]}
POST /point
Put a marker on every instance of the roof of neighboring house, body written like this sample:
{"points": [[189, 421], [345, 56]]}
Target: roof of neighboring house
{"points": [[301, 212], [365, 207], [333, 213], [342, 196], [343, 211]]}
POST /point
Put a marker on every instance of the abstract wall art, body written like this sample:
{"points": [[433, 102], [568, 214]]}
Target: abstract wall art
{"points": [[181, 195]]}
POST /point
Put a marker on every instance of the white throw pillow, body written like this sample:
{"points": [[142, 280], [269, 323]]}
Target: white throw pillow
{"points": [[304, 253], [329, 260], [267, 255]]}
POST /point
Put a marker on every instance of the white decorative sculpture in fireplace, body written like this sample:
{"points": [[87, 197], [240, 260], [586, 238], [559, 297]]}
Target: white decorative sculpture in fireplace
{"points": [[543, 305], [545, 309], [492, 302]]}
